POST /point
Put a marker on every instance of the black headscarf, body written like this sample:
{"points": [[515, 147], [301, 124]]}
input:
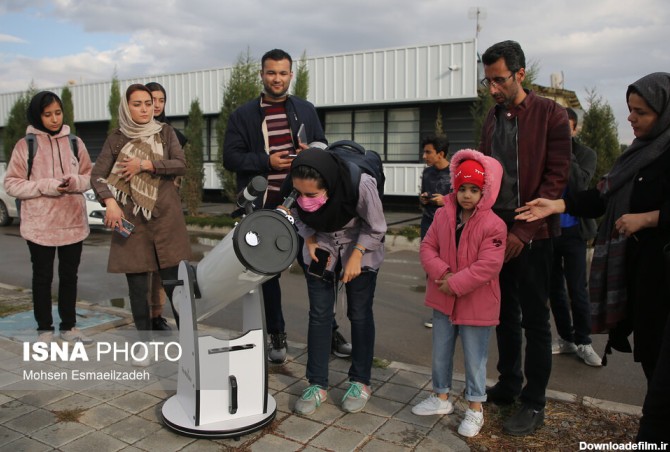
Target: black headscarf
{"points": [[155, 86], [340, 207], [38, 103]]}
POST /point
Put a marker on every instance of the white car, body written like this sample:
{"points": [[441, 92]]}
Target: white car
{"points": [[95, 212]]}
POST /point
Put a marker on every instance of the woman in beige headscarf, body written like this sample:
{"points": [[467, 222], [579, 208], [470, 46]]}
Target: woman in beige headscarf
{"points": [[134, 179]]}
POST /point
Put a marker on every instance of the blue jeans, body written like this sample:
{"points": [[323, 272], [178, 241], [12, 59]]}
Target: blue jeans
{"points": [[322, 295], [569, 268], [475, 340]]}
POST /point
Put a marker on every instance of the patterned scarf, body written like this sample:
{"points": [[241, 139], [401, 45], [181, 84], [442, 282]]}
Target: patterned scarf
{"points": [[607, 282], [146, 144]]}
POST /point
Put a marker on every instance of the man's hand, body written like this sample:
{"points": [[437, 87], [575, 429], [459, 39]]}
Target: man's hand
{"points": [[280, 161], [514, 247]]}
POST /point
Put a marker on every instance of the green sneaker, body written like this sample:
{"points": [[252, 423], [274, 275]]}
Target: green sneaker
{"points": [[310, 400], [356, 397]]}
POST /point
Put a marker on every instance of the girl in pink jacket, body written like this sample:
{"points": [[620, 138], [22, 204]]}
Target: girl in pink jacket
{"points": [[462, 254]]}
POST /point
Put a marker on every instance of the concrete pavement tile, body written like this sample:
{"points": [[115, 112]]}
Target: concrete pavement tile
{"points": [[14, 409], [202, 445], [164, 440], [413, 379], [279, 381], [7, 436], [31, 422], [364, 423], [94, 441], [327, 413], [275, 444], [27, 444], [285, 402], [134, 402], [382, 407], [297, 388], [8, 378], [132, 429], [61, 433], [336, 439], [406, 415], [159, 390], [445, 430], [301, 359], [399, 393], [339, 364], [433, 445], [73, 402], [105, 395], [44, 398], [153, 414], [245, 441], [102, 416], [401, 433], [377, 445], [298, 428], [4, 398], [12, 363], [383, 373], [132, 449]]}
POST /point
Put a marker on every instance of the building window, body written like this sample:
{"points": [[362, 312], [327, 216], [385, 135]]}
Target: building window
{"points": [[393, 133]]}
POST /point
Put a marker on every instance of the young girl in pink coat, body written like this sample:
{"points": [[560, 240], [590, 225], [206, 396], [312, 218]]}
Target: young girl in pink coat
{"points": [[462, 254]]}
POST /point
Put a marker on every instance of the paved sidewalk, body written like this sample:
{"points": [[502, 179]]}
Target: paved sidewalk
{"points": [[127, 416]]}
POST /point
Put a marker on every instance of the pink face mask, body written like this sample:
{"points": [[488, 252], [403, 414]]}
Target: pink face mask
{"points": [[312, 204]]}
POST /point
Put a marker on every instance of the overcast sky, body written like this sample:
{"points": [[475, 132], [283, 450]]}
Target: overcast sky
{"points": [[599, 44]]}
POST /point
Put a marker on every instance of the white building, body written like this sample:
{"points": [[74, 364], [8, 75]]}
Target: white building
{"points": [[384, 99]]}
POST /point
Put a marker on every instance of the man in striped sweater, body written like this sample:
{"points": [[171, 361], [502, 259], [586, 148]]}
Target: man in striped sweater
{"points": [[262, 139]]}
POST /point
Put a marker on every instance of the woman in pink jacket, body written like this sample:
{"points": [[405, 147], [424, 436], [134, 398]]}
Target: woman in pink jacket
{"points": [[53, 211], [462, 254]]}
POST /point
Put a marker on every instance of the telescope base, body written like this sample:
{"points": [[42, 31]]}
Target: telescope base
{"points": [[176, 419]]}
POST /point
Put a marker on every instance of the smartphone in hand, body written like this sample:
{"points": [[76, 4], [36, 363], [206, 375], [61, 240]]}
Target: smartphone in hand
{"points": [[127, 225], [302, 135], [318, 268]]}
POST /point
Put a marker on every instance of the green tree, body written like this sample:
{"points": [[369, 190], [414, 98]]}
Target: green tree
{"points": [[301, 85], [599, 132], [439, 128], [68, 108], [17, 122], [113, 103], [484, 102], [191, 188], [244, 85]]}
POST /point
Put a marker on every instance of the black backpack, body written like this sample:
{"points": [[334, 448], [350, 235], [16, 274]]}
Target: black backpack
{"points": [[30, 141], [360, 161]]}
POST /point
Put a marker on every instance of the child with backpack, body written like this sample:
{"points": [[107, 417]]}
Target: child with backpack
{"points": [[48, 174], [463, 254], [342, 222]]}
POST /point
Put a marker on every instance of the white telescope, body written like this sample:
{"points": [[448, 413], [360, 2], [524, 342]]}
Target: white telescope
{"points": [[222, 384]]}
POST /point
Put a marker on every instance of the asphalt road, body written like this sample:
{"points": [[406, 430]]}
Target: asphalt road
{"points": [[399, 314]]}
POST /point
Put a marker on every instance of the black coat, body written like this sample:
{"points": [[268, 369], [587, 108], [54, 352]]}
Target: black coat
{"points": [[648, 291], [244, 145]]}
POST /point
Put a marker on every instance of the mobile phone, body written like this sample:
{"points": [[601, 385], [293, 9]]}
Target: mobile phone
{"points": [[302, 135], [127, 225], [318, 268], [427, 196]]}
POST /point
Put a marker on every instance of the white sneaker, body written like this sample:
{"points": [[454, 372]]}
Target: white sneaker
{"points": [[75, 335], [433, 405], [472, 423], [46, 337], [560, 347], [588, 355]]}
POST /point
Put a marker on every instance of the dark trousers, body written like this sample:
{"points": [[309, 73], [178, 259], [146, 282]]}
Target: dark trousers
{"points": [[524, 284], [655, 421], [138, 292], [569, 269], [322, 296], [42, 258]]}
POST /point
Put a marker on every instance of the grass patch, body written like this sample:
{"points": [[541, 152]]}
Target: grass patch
{"points": [[380, 363], [409, 232]]}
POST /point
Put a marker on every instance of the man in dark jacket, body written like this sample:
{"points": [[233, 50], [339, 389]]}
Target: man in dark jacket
{"points": [[569, 266], [530, 137], [262, 139]]}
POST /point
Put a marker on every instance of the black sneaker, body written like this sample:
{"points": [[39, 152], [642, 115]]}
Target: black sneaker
{"points": [[497, 395], [160, 324], [524, 422], [340, 347], [277, 352]]}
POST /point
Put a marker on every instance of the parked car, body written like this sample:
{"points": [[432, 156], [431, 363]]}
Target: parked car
{"points": [[8, 211]]}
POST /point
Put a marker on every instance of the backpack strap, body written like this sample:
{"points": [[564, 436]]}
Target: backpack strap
{"points": [[30, 141], [350, 145], [74, 145]]}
